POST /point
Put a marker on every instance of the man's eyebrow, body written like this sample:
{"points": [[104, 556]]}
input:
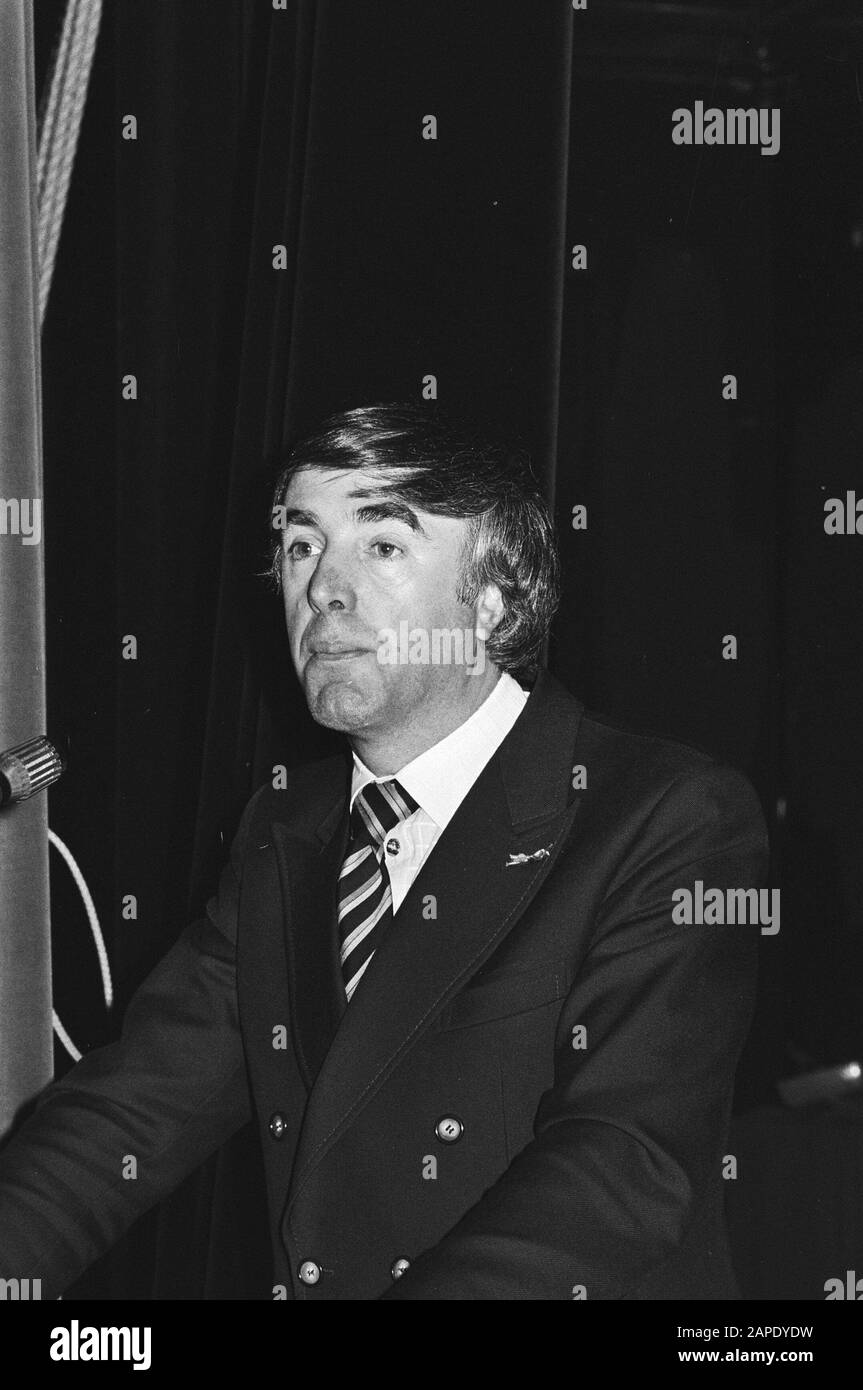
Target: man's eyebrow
{"points": [[295, 516], [389, 509], [386, 509]]}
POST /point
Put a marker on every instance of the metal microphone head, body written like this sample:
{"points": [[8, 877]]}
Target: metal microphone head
{"points": [[28, 768]]}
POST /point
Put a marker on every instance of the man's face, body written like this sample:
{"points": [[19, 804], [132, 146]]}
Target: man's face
{"points": [[357, 564]]}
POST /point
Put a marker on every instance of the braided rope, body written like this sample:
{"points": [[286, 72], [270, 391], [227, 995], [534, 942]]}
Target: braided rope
{"points": [[58, 138], [50, 103]]}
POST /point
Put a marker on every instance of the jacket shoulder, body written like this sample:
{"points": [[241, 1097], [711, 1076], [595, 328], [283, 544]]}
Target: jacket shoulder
{"points": [[640, 767], [624, 744], [301, 791]]}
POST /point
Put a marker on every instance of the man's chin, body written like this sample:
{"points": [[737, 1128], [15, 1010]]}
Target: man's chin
{"points": [[340, 705]]}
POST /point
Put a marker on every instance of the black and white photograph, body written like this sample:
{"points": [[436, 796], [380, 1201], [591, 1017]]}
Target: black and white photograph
{"points": [[431, 669]]}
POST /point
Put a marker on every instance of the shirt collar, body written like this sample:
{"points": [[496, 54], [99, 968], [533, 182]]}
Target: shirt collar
{"points": [[441, 777]]}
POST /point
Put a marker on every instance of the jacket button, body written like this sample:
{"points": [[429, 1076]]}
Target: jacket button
{"points": [[399, 1267], [278, 1125], [449, 1129], [309, 1272]]}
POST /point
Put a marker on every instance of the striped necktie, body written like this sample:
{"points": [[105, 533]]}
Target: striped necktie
{"points": [[365, 894]]}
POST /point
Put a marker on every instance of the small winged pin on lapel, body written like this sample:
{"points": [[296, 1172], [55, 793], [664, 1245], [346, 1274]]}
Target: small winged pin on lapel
{"points": [[526, 858]]}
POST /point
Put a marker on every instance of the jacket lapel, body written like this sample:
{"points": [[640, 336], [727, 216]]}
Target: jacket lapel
{"points": [[521, 804], [310, 846]]}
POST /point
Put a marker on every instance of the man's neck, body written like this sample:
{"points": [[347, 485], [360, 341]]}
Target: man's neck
{"points": [[388, 753]]}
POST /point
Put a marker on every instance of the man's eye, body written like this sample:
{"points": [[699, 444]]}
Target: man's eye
{"points": [[386, 549], [301, 550]]}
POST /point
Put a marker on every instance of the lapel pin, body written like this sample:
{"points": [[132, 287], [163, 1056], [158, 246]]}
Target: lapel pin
{"points": [[526, 858]]}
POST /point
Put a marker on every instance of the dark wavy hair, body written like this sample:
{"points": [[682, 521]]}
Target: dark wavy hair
{"points": [[448, 467]]}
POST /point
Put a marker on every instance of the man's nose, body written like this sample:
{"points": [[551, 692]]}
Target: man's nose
{"points": [[330, 586]]}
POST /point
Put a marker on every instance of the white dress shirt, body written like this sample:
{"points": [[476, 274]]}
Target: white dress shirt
{"points": [[439, 780]]}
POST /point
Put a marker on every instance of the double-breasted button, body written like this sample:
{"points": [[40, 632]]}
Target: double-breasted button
{"points": [[449, 1129], [399, 1267], [309, 1272], [393, 846], [278, 1125]]}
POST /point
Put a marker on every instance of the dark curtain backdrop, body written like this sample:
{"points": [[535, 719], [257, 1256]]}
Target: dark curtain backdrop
{"points": [[408, 258]]}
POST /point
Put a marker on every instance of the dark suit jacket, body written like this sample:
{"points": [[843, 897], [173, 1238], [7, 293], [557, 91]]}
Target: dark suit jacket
{"points": [[584, 1043]]}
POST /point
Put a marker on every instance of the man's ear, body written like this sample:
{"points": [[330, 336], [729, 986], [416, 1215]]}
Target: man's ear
{"points": [[489, 611]]}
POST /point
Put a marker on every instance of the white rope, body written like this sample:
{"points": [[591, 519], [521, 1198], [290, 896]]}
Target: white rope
{"points": [[104, 965], [58, 139], [64, 1037]]}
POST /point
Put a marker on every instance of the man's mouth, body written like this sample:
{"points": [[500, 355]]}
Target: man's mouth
{"points": [[335, 652]]}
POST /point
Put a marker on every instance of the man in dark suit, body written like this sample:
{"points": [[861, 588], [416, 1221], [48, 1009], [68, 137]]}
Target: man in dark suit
{"points": [[487, 1057]]}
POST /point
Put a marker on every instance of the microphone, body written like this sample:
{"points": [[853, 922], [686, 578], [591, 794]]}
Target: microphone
{"points": [[28, 768]]}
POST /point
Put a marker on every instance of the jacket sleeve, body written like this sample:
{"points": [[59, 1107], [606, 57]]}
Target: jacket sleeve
{"points": [[166, 1095], [629, 1137]]}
